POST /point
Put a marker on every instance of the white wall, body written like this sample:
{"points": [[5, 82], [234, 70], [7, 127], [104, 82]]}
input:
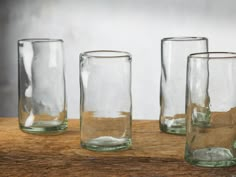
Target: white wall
{"points": [[136, 26]]}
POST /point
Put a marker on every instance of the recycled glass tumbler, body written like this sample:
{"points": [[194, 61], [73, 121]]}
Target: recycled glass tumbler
{"points": [[105, 109], [41, 81], [174, 54], [211, 109]]}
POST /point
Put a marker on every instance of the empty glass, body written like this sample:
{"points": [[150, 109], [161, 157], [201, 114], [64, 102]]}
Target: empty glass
{"points": [[174, 53], [42, 101], [105, 109], [211, 109]]}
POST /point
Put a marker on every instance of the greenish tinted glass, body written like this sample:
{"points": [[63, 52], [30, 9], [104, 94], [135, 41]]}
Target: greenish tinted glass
{"points": [[211, 109], [105, 110], [42, 100], [174, 54]]}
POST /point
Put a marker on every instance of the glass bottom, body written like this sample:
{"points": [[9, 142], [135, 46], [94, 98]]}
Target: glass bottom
{"points": [[211, 157], [174, 126], [107, 143], [45, 127]]}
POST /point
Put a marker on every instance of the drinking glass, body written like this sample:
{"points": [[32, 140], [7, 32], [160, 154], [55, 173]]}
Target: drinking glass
{"points": [[41, 81], [105, 116], [174, 53], [211, 109]]}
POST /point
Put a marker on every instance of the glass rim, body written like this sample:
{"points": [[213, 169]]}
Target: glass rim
{"points": [[184, 39], [215, 55], [32, 40], [116, 54]]}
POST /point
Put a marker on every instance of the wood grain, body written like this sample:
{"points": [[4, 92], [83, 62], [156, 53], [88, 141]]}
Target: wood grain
{"points": [[153, 154]]}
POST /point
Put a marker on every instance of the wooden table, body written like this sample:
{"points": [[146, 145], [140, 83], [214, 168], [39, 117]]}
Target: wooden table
{"points": [[153, 154]]}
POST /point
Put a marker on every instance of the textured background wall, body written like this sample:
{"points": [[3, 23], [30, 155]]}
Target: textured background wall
{"points": [[136, 26]]}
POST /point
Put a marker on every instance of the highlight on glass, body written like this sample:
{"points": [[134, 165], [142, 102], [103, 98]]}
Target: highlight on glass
{"points": [[105, 108], [174, 54], [211, 109], [42, 100]]}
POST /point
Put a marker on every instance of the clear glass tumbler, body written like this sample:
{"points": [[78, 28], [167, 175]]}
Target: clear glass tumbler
{"points": [[105, 116], [174, 54], [211, 109], [41, 81]]}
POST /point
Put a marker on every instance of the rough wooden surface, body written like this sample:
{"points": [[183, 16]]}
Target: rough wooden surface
{"points": [[153, 154]]}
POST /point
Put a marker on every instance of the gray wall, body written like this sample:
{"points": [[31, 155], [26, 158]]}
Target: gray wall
{"points": [[136, 26]]}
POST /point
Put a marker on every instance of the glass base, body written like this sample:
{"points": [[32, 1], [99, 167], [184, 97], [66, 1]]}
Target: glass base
{"points": [[45, 128], [174, 126], [211, 157], [107, 143]]}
